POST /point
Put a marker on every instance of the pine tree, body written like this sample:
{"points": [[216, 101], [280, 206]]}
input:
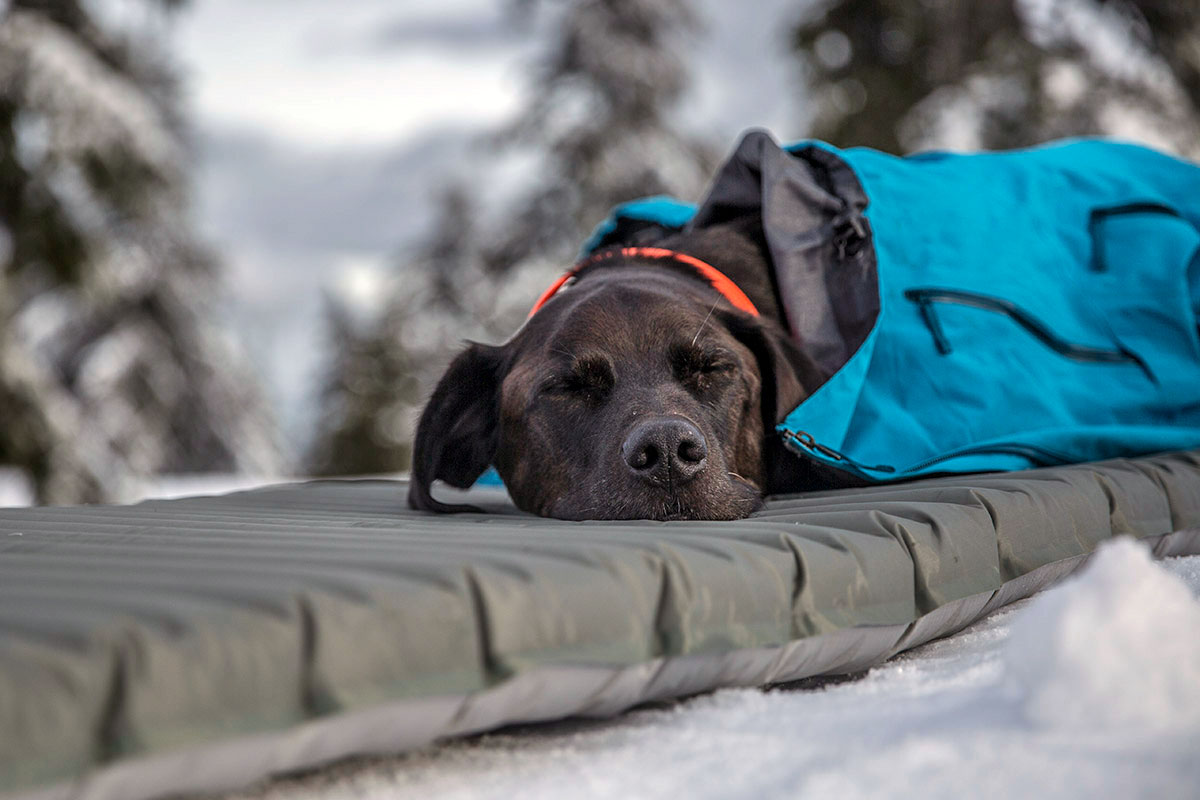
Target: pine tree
{"points": [[369, 388], [597, 130], [599, 110], [112, 364], [905, 76], [1171, 29]]}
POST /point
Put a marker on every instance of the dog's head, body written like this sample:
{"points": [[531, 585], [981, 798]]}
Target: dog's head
{"points": [[637, 394]]}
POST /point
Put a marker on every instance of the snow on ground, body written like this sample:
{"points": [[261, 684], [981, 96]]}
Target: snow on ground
{"points": [[168, 487], [1091, 689], [1140, 674], [16, 489]]}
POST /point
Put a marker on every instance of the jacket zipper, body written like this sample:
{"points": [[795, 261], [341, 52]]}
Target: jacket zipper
{"points": [[926, 298], [1099, 215], [1040, 456], [798, 441]]}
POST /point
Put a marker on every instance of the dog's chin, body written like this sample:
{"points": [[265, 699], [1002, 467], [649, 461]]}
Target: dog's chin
{"points": [[730, 500]]}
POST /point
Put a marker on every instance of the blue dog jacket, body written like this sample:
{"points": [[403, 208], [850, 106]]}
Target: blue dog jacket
{"points": [[992, 311]]}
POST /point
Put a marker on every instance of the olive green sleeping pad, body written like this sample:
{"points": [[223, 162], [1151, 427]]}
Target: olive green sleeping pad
{"points": [[200, 644]]}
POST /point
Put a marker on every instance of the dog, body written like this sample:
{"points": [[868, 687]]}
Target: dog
{"points": [[641, 392], [994, 311]]}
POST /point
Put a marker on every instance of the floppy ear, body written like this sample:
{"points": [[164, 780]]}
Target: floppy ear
{"points": [[459, 428], [788, 374]]}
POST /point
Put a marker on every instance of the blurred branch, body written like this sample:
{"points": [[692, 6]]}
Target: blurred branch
{"points": [[900, 76], [112, 366]]}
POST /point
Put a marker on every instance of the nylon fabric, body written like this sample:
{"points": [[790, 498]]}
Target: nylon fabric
{"points": [[991, 311]]}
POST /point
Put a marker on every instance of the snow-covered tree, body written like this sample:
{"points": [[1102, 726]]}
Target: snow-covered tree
{"points": [[113, 365], [599, 113], [597, 129], [965, 74], [369, 389]]}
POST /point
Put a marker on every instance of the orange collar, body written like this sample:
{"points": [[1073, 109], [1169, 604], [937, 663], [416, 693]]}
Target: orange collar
{"points": [[719, 280]]}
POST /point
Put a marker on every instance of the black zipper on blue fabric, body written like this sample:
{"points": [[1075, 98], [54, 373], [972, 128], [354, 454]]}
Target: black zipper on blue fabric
{"points": [[1040, 456], [925, 299], [1099, 215], [802, 442]]}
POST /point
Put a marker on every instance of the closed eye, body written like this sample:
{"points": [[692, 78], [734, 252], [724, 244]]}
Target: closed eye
{"points": [[716, 364], [568, 383], [691, 364], [587, 377]]}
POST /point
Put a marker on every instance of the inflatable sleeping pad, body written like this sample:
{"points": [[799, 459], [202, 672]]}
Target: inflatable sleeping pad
{"points": [[197, 645]]}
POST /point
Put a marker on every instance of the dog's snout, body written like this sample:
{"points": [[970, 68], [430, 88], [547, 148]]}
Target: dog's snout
{"points": [[666, 449]]}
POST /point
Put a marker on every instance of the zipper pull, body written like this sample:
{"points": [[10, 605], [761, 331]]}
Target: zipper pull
{"points": [[925, 305], [849, 235], [804, 439]]}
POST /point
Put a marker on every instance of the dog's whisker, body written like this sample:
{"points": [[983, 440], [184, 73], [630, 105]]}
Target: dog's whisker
{"points": [[705, 321]]}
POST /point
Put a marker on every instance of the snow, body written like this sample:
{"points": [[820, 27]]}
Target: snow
{"points": [[1087, 690], [1143, 675], [168, 487], [92, 108], [1104, 32], [16, 490]]}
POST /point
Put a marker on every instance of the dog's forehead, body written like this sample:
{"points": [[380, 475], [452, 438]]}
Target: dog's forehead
{"points": [[647, 325], [624, 319]]}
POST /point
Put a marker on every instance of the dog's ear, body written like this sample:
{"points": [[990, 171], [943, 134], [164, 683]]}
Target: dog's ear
{"points": [[788, 374], [459, 428]]}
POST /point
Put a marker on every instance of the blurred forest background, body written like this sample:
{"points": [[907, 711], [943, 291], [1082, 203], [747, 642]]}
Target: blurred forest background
{"points": [[245, 238]]}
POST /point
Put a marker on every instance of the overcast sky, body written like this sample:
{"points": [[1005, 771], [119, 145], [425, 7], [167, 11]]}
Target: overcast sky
{"points": [[324, 129]]}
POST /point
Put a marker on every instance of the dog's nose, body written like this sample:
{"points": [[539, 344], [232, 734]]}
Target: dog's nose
{"points": [[666, 449]]}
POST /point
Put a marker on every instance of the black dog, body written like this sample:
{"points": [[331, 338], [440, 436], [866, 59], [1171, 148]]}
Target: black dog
{"points": [[650, 388], [639, 392]]}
